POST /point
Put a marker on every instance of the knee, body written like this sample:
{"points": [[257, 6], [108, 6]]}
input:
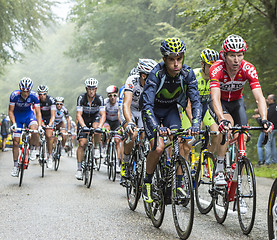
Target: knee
{"points": [[159, 151]]}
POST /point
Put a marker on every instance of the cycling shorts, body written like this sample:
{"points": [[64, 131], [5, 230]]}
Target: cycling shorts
{"points": [[113, 124], [24, 118], [168, 117], [135, 115], [89, 122], [235, 108]]}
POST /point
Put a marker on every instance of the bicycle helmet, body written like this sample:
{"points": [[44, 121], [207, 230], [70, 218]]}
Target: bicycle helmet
{"points": [[26, 84], [172, 46], [146, 65], [59, 99], [42, 89], [134, 71], [91, 82], [112, 89], [234, 43], [209, 56]]}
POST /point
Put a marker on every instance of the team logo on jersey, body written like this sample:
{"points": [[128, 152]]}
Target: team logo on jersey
{"points": [[251, 70], [168, 95], [130, 85], [216, 70]]}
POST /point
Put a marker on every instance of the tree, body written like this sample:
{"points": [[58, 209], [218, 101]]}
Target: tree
{"points": [[20, 22]]}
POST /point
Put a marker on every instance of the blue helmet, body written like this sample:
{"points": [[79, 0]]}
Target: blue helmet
{"points": [[26, 84]]}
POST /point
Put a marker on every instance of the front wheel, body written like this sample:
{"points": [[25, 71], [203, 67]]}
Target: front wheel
{"points": [[113, 159], [272, 212], [42, 157], [246, 196], [57, 155], [182, 198], [203, 183], [89, 167], [22, 161]]}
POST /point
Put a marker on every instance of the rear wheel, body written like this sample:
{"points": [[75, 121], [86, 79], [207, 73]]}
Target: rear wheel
{"points": [[203, 183], [157, 207], [272, 212], [182, 204], [220, 201], [246, 196]]}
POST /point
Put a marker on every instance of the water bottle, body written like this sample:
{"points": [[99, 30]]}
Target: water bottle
{"points": [[168, 159]]}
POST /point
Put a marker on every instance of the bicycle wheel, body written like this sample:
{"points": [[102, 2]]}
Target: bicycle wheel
{"points": [[21, 164], [272, 212], [113, 162], [98, 161], [246, 196], [157, 207], [182, 206], [220, 200], [109, 160], [57, 155], [203, 186], [42, 158], [89, 167]]}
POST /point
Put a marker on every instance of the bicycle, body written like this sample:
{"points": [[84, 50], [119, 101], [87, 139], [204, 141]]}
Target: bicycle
{"points": [[241, 184], [135, 170], [24, 158], [88, 160], [202, 171], [69, 145], [111, 155], [272, 212], [164, 189], [58, 148], [42, 153]]}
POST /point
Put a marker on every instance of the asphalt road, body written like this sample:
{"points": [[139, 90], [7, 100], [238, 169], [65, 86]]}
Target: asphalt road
{"points": [[60, 207]]}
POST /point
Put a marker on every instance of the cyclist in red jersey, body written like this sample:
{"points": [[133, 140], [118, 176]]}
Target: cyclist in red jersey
{"points": [[228, 77]]}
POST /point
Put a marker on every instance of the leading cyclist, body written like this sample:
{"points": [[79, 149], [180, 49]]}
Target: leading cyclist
{"points": [[169, 83], [228, 77], [20, 113]]}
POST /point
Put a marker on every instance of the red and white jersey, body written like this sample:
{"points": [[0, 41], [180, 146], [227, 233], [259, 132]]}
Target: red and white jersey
{"points": [[231, 90]]}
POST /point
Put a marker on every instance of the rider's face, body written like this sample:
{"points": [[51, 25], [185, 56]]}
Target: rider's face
{"points": [[233, 60], [42, 97], [24, 93], [173, 64], [59, 105], [112, 97], [91, 91]]}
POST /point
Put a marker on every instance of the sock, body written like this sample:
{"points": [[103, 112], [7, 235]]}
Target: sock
{"points": [[15, 163], [219, 164], [79, 165], [126, 158]]}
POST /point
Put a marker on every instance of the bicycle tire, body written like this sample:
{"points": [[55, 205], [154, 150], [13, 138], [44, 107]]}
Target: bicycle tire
{"points": [[145, 204], [109, 160], [182, 207], [272, 212], [220, 201], [99, 160], [57, 156], [113, 163], [247, 192], [157, 207], [21, 165], [134, 183], [90, 167], [84, 166], [42, 159], [203, 186]]}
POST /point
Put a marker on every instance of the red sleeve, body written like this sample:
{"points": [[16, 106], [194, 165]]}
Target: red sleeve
{"points": [[251, 74], [215, 74]]}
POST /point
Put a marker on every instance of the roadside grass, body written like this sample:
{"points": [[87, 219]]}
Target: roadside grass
{"points": [[266, 171]]}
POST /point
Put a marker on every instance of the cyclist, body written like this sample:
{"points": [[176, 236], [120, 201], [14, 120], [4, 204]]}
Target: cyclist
{"points": [[112, 121], [48, 112], [61, 114], [169, 83], [208, 57], [20, 113], [130, 114], [90, 112], [228, 77]]}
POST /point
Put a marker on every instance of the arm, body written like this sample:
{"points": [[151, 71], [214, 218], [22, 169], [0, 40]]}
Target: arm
{"points": [[102, 118], [215, 97], [38, 115], [11, 114], [188, 111], [80, 119], [261, 103], [128, 96], [52, 119]]}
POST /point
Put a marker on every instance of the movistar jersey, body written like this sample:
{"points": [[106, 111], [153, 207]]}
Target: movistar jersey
{"points": [[173, 90], [23, 105]]}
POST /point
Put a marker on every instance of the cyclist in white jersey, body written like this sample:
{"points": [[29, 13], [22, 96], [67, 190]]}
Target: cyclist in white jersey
{"points": [[130, 114]]}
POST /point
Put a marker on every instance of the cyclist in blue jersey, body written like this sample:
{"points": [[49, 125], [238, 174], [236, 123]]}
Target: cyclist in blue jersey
{"points": [[170, 83], [21, 113]]}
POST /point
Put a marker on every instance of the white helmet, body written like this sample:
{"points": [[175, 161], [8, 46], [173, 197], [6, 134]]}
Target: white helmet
{"points": [[26, 84], [91, 82], [112, 89], [59, 99], [146, 65], [42, 89]]}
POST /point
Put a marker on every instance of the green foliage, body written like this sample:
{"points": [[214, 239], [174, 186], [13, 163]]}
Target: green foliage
{"points": [[20, 23]]}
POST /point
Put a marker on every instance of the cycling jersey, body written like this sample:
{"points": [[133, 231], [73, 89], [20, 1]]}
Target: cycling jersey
{"points": [[46, 107], [120, 96], [174, 90], [111, 110], [23, 105], [231, 90], [88, 110], [203, 86], [133, 85], [61, 114]]}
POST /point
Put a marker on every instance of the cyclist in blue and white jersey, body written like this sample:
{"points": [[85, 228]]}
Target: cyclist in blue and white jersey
{"points": [[90, 113], [48, 112], [21, 113], [169, 83], [130, 114]]}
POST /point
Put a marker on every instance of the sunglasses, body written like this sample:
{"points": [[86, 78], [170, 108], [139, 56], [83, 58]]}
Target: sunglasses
{"points": [[42, 94], [112, 95], [173, 54], [59, 103], [91, 88]]}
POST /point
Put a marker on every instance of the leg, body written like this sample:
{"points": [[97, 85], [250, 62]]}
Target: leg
{"points": [[274, 152], [260, 147]]}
